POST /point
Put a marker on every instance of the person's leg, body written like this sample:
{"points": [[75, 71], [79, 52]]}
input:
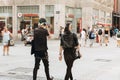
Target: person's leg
{"points": [[71, 77], [7, 50], [4, 50], [46, 65], [106, 41], [90, 42], [36, 67], [100, 40], [69, 64], [84, 42]]}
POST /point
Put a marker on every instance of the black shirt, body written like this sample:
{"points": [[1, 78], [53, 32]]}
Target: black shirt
{"points": [[40, 39], [76, 43]]}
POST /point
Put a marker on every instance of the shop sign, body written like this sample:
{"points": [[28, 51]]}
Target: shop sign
{"points": [[103, 24], [70, 16], [19, 14], [57, 12]]}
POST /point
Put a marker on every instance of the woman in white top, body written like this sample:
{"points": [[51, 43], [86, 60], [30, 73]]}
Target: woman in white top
{"points": [[6, 37], [83, 37]]}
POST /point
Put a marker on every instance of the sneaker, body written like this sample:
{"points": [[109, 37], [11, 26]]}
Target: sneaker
{"points": [[52, 78]]}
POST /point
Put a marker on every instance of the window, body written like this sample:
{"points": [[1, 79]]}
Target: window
{"points": [[49, 8], [6, 9], [28, 9]]}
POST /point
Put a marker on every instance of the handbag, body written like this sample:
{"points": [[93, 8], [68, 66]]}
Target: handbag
{"points": [[11, 42], [77, 54]]}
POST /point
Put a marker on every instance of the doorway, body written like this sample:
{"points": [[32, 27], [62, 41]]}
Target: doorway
{"points": [[2, 24]]}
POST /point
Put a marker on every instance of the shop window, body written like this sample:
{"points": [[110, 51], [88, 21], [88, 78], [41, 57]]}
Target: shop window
{"points": [[28, 9], [9, 23], [49, 8], [6, 9], [50, 21]]}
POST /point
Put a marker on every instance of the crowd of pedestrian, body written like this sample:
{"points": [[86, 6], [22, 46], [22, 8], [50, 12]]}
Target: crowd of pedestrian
{"points": [[100, 35]]}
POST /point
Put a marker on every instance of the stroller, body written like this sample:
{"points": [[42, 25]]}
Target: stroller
{"points": [[118, 39], [28, 39]]}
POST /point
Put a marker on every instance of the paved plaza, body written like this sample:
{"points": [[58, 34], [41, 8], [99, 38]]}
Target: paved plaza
{"points": [[97, 63]]}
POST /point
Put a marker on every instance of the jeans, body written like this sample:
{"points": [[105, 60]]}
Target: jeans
{"points": [[36, 67]]}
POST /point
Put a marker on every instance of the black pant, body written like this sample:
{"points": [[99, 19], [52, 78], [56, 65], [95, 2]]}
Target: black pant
{"points": [[36, 67], [69, 59]]}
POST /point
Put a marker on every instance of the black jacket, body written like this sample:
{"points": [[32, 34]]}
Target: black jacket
{"points": [[40, 40]]}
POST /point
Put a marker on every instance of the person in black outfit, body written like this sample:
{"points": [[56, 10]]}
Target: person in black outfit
{"points": [[68, 51], [39, 48]]}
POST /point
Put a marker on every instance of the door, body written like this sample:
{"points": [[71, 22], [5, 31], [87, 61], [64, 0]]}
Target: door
{"points": [[2, 24]]}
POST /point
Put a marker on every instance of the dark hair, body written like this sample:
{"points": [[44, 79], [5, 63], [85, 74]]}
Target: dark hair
{"points": [[66, 30], [35, 25], [42, 21], [84, 30]]}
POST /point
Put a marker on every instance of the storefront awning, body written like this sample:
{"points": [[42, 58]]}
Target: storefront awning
{"points": [[30, 15], [103, 24]]}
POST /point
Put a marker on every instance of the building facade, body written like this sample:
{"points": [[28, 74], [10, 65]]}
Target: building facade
{"points": [[81, 13], [116, 14]]}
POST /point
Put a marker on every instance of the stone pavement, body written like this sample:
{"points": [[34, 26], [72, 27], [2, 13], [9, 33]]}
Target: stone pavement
{"points": [[97, 63]]}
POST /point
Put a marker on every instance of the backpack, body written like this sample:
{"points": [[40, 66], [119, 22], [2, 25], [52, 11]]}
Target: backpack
{"points": [[68, 40], [100, 32], [91, 35]]}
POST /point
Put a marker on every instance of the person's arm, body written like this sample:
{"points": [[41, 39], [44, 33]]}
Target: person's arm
{"points": [[11, 35], [2, 33], [48, 34], [60, 53], [60, 50]]}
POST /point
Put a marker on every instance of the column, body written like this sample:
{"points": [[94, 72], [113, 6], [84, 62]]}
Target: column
{"points": [[42, 11], [14, 21], [59, 20]]}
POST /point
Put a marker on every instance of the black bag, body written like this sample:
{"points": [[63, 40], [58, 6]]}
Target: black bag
{"points": [[77, 54], [68, 41]]}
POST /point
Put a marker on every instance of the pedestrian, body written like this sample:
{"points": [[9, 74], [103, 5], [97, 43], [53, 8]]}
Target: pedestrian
{"points": [[111, 32], [39, 48], [61, 31], [106, 36], [6, 37], [100, 36], [23, 34], [69, 43], [116, 30], [83, 37], [91, 37], [118, 39]]}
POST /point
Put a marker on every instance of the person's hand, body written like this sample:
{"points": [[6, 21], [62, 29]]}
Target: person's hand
{"points": [[60, 58]]}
